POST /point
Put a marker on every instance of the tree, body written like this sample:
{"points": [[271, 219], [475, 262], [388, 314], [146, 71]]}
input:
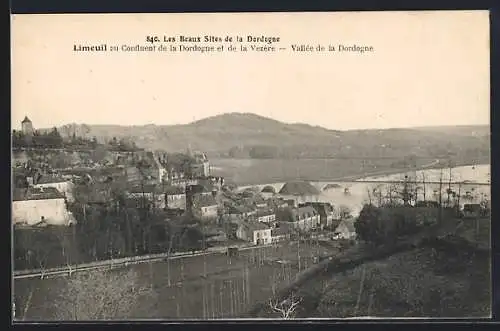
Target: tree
{"points": [[367, 224], [40, 253], [67, 238], [285, 308], [263, 152], [98, 295], [284, 215]]}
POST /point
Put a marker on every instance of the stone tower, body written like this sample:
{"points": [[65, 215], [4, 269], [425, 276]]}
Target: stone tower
{"points": [[27, 126]]}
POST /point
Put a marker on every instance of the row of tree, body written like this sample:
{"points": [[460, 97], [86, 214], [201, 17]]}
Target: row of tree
{"points": [[106, 228], [400, 209], [50, 139]]}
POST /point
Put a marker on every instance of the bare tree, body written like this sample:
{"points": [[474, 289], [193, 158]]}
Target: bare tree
{"points": [[67, 248], [41, 254], [423, 185], [172, 236], [440, 197], [101, 295], [377, 192], [287, 307], [369, 196]]}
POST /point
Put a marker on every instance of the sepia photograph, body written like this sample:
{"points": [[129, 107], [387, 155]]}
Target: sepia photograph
{"points": [[250, 166]]}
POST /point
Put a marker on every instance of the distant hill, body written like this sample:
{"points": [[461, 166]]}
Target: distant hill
{"points": [[250, 135]]}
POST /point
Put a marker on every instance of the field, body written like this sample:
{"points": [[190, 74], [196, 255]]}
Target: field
{"points": [[228, 290], [425, 282], [413, 284]]}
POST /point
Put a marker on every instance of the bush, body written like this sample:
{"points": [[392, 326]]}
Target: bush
{"points": [[385, 224]]}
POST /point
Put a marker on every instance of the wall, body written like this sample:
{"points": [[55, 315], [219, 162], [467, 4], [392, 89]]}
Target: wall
{"points": [[176, 201], [267, 218], [307, 223], [242, 233], [343, 232], [300, 199], [209, 211], [31, 211], [206, 168], [265, 236]]}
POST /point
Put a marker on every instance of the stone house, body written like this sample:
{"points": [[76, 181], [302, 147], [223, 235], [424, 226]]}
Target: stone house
{"points": [[151, 193], [254, 232], [205, 206], [305, 218], [33, 206], [60, 184], [280, 234], [175, 198]]}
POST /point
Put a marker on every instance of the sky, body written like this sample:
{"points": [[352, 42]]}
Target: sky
{"points": [[427, 69]]}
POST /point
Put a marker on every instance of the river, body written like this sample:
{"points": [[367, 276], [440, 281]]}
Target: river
{"points": [[472, 178]]}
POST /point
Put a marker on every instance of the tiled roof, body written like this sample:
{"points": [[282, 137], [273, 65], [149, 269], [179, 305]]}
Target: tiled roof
{"points": [[173, 190], [204, 200], [261, 213], [323, 208], [240, 209], [255, 226], [268, 189], [50, 180], [146, 189], [279, 231], [299, 188], [36, 194], [307, 210]]}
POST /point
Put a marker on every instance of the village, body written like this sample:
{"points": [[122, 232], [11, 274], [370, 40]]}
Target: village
{"points": [[82, 204], [168, 187]]}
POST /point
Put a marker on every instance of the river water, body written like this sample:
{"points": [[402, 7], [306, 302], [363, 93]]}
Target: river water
{"points": [[472, 178]]}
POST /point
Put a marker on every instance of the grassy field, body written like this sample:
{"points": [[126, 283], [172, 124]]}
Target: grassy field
{"points": [[424, 282], [183, 292], [413, 284]]}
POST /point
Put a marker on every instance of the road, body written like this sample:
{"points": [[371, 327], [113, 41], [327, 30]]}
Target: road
{"points": [[124, 262]]}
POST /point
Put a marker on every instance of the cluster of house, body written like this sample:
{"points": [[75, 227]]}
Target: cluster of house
{"points": [[274, 217], [150, 179], [40, 196]]}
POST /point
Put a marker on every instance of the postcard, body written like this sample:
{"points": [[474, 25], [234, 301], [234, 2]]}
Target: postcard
{"points": [[235, 166]]}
